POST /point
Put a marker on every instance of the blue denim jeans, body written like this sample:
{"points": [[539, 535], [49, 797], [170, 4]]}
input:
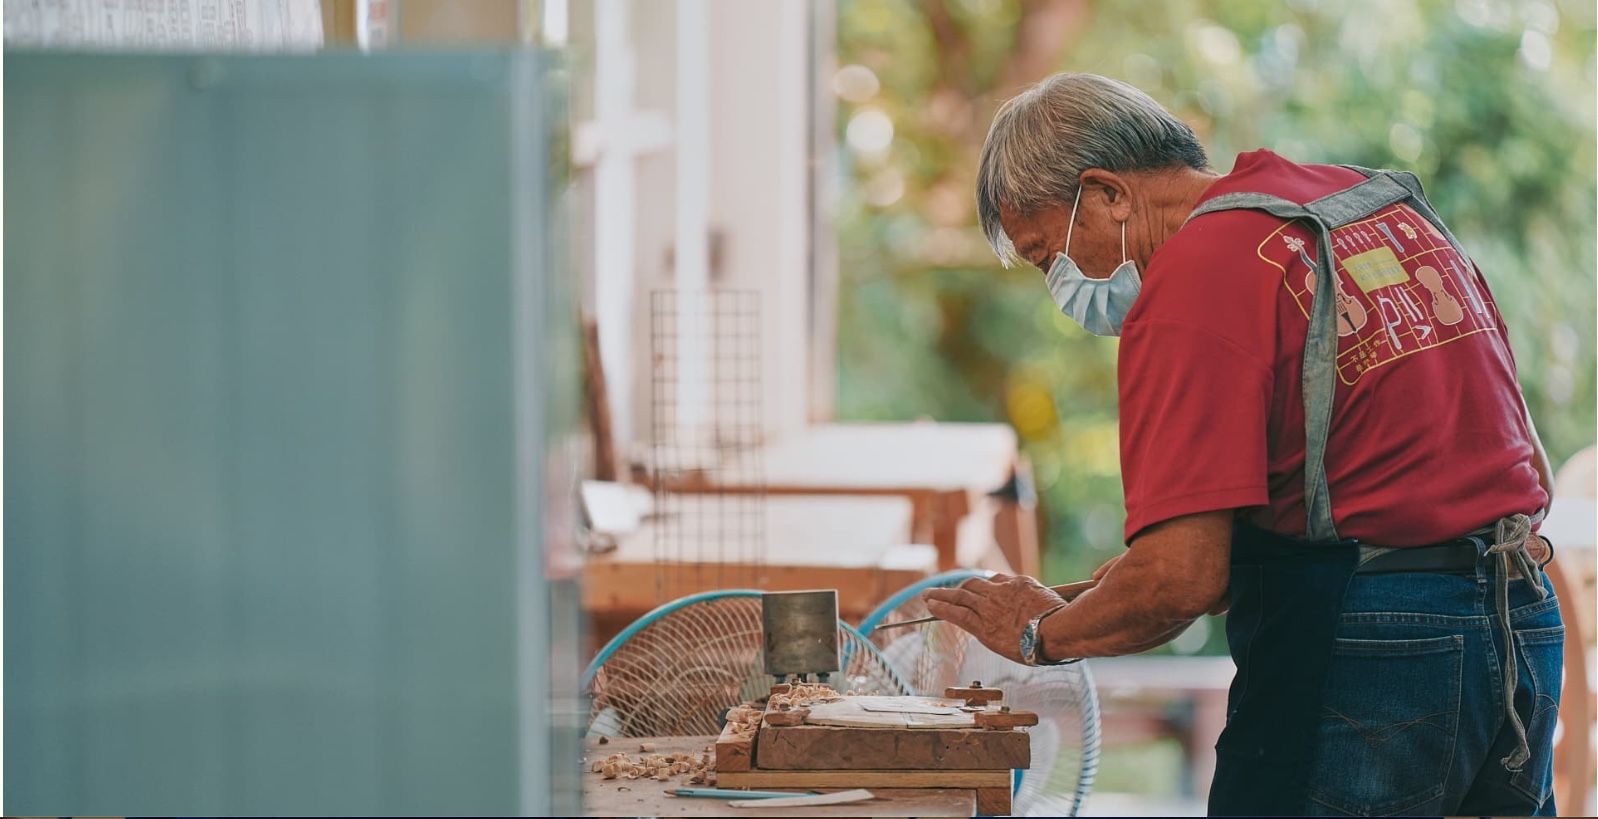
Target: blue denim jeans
{"points": [[1413, 718]]}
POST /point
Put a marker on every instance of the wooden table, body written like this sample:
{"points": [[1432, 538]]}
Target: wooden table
{"points": [[859, 546], [946, 471], [647, 797]]}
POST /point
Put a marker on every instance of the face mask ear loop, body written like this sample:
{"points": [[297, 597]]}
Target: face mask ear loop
{"points": [[1071, 224], [1123, 243]]}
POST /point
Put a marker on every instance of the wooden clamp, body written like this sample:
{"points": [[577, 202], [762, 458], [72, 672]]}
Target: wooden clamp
{"points": [[974, 695], [1005, 719]]}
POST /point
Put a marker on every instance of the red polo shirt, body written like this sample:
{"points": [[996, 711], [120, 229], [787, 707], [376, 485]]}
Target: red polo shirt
{"points": [[1428, 438]]}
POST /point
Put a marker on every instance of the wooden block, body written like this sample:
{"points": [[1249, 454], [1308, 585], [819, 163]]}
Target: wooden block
{"points": [[788, 718], [864, 779], [1005, 720], [818, 747], [781, 688], [734, 751], [993, 801]]}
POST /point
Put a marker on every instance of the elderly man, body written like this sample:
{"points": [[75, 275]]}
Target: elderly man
{"points": [[1321, 428]]}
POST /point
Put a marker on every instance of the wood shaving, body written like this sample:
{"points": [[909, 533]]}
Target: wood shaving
{"points": [[659, 767], [802, 694], [745, 719]]}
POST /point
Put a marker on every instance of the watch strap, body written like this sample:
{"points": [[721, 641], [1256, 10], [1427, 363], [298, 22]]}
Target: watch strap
{"points": [[1032, 640]]}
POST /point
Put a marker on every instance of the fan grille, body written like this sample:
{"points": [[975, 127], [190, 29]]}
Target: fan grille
{"points": [[680, 672]]}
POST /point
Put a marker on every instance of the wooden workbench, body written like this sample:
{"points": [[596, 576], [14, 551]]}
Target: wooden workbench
{"points": [[946, 471], [646, 797]]}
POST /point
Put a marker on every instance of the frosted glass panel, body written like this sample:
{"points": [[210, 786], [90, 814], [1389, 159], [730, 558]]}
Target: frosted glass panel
{"points": [[279, 378]]}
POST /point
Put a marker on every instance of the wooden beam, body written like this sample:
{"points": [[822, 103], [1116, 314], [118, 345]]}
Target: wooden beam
{"points": [[819, 747], [993, 801]]}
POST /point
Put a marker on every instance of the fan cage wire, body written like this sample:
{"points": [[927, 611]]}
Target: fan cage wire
{"points": [[676, 671], [933, 656]]}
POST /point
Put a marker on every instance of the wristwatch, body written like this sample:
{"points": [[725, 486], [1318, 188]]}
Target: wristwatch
{"points": [[1032, 644]]}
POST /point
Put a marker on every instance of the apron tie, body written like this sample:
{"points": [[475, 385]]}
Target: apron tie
{"points": [[1509, 543]]}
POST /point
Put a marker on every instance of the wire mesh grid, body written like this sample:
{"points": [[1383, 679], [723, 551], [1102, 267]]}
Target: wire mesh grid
{"points": [[678, 675], [709, 480]]}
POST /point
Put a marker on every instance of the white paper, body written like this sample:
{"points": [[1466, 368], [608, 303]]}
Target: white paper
{"points": [[883, 712], [907, 707]]}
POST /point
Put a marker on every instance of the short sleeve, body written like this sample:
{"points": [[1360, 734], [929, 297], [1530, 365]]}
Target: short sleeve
{"points": [[1194, 412]]}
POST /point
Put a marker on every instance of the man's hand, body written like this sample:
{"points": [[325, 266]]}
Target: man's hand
{"points": [[1172, 574], [993, 610]]}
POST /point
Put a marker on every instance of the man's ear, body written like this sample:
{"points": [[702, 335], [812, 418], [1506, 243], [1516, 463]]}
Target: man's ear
{"points": [[1111, 188]]}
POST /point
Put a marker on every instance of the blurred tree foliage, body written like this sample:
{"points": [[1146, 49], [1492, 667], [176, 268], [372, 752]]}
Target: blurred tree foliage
{"points": [[1490, 102]]}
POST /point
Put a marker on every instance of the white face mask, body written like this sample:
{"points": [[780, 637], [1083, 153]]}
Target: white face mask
{"points": [[1099, 305]]}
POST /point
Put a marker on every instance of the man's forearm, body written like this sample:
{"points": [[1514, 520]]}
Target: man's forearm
{"points": [[1109, 621], [1173, 573]]}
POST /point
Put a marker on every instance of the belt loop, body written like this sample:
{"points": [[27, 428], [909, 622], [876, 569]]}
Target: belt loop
{"points": [[1483, 567]]}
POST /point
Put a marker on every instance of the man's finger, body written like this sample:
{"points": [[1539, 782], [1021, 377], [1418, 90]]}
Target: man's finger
{"points": [[956, 597], [978, 584], [958, 615]]}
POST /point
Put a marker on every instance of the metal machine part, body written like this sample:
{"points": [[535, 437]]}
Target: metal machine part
{"points": [[801, 632]]}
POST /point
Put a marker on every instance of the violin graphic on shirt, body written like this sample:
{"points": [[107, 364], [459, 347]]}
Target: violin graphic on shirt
{"points": [[1351, 314], [1444, 306]]}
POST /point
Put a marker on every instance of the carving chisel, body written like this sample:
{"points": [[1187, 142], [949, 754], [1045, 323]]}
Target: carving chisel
{"points": [[1069, 592]]}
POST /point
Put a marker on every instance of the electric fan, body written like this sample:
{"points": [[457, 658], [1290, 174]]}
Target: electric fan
{"points": [[1065, 742], [678, 669]]}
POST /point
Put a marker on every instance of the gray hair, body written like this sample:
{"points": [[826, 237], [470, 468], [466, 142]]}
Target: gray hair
{"points": [[1042, 140]]}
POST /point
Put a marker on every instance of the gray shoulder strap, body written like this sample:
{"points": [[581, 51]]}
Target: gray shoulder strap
{"points": [[1417, 200], [1274, 205], [1355, 203], [1320, 350]]}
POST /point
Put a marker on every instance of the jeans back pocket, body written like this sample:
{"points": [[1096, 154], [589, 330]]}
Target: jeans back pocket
{"points": [[1389, 720]]}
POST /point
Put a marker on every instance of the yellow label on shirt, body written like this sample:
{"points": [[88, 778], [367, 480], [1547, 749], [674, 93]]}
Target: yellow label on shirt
{"points": [[1375, 268]]}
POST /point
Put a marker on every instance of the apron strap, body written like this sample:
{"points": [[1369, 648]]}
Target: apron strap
{"points": [[1380, 189], [1320, 343], [1356, 203]]}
